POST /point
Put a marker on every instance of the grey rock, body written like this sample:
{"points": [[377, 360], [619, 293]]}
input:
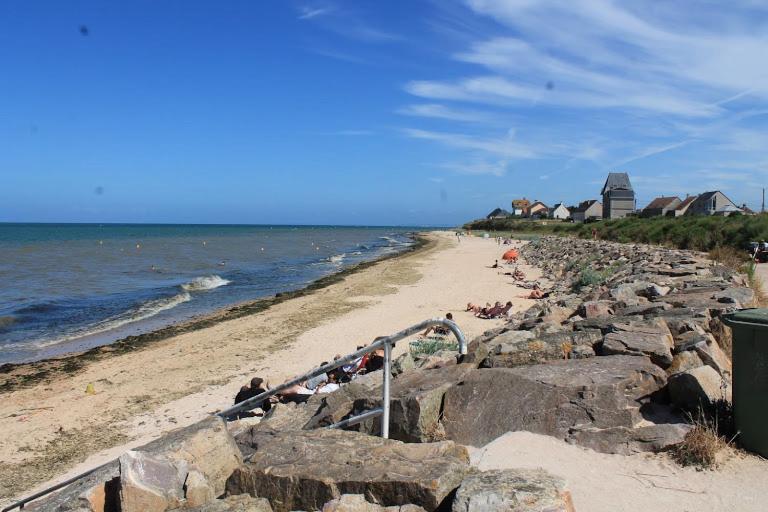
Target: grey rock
{"points": [[624, 292], [550, 398], [596, 309], [712, 355], [149, 483], [513, 490], [527, 348], [306, 469], [699, 387], [626, 441], [416, 401], [739, 296], [403, 363], [684, 361], [655, 290], [651, 338]]}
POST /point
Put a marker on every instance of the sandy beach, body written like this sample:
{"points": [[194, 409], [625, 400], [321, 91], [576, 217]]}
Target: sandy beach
{"points": [[53, 428]]}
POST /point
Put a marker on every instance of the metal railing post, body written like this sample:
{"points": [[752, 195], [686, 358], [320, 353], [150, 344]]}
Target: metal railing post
{"points": [[385, 391]]}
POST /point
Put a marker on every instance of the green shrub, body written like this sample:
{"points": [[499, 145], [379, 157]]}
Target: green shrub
{"points": [[701, 233], [428, 346]]}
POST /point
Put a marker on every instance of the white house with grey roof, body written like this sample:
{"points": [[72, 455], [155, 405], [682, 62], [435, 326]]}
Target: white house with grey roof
{"points": [[712, 203]]}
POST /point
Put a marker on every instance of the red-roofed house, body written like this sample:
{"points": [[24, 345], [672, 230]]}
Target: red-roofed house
{"points": [[683, 206]]}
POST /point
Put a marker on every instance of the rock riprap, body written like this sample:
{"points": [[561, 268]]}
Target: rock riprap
{"points": [[304, 470]]}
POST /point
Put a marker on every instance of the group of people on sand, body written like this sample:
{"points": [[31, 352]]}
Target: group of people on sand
{"points": [[498, 310], [323, 383]]}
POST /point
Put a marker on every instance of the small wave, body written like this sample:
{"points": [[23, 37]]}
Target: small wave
{"points": [[205, 283], [140, 312], [43, 307], [357, 253], [338, 258], [390, 240]]}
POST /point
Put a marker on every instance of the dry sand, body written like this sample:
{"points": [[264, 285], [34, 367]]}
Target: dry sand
{"points": [[617, 483], [54, 428]]}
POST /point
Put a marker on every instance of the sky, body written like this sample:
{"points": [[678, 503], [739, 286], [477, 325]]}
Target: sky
{"points": [[412, 112]]}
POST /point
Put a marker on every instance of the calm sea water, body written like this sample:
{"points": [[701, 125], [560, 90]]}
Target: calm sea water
{"points": [[66, 287]]}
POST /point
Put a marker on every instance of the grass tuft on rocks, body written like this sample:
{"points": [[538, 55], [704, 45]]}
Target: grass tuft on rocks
{"points": [[712, 432]]}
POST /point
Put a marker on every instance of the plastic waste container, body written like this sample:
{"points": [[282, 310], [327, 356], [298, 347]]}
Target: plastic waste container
{"points": [[750, 377]]}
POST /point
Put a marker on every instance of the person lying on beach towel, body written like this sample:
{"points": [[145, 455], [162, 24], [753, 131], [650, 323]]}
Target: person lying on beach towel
{"points": [[440, 330], [476, 308], [298, 393], [497, 311]]}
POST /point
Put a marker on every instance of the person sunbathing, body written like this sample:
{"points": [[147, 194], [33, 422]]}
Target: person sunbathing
{"points": [[489, 310], [497, 311], [536, 293], [441, 330]]}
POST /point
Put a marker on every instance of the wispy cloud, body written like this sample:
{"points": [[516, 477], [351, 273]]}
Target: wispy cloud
{"points": [[307, 13], [504, 147], [438, 111]]}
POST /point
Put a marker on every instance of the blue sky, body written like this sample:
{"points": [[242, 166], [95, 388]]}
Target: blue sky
{"points": [[412, 112]]}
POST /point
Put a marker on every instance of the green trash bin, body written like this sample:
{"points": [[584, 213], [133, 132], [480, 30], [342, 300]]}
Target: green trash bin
{"points": [[750, 377]]}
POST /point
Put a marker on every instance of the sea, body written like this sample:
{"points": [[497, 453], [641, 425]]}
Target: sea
{"points": [[70, 287]]}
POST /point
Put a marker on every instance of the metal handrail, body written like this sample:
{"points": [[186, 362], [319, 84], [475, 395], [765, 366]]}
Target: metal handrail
{"points": [[386, 342]]}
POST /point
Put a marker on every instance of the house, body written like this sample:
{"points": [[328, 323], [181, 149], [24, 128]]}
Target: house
{"points": [[559, 211], [618, 196], [587, 210], [661, 206], [684, 205], [498, 213], [709, 203], [727, 210], [520, 206], [538, 210], [746, 210]]}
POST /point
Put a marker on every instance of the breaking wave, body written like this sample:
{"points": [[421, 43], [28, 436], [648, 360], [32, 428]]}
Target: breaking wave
{"points": [[338, 258], [205, 283]]}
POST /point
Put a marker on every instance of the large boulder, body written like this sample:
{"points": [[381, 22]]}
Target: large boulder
{"points": [[651, 338], [525, 348], [149, 483], [303, 470], [205, 446], [143, 479], [512, 490], [699, 387], [550, 399], [416, 401]]}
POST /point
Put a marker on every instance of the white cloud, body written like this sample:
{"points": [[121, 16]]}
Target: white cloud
{"points": [[307, 13], [438, 111], [503, 147]]}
